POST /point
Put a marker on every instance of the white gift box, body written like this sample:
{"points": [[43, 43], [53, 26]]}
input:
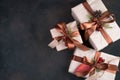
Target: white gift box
{"points": [[90, 54], [61, 44], [96, 39]]}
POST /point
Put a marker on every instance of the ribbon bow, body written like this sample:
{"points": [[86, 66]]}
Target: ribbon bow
{"points": [[67, 37], [90, 66], [97, 22]]}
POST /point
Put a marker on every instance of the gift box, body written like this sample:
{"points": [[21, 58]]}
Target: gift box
{"points": [[97, 39], [76, 65], [67, 30]]}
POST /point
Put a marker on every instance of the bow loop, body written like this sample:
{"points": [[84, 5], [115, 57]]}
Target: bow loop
{"points": [[61, 27], [87, 61]]}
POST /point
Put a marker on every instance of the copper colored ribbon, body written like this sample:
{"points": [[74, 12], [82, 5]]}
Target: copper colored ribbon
{"points": [[89, 66], [97, 23], [68, 37]]}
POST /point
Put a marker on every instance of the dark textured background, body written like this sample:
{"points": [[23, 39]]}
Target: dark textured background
{"points": [[24, 36]]}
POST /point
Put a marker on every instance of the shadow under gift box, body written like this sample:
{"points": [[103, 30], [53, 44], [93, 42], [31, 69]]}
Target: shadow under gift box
{"points": [[90, 55], [96, 39], [60, 45]]}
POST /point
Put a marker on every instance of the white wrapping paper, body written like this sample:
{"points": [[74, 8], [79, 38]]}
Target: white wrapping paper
{"points": [[90, 54], [61, 44], [96, 39]]}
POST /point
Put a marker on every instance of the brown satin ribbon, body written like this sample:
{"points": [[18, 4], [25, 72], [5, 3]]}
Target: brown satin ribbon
{"points": [[68, 37], [97, 23], [93, 65]]}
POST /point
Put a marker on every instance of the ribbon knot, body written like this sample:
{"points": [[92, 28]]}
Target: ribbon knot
{"points": [[98, 23]]}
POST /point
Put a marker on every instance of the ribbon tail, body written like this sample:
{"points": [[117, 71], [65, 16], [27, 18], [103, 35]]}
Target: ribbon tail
{"points": [[53, 44], [79, 45], [106, 36], [70, 44], [75, 33], [90, 31], [92, 71]]}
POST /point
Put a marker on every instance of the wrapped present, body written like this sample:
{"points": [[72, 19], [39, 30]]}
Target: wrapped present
{"points": [[99, 24], [94, 65], [66, 36]]}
